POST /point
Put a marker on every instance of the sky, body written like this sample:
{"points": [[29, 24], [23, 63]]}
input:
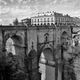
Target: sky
{"points": [[11, 9]]}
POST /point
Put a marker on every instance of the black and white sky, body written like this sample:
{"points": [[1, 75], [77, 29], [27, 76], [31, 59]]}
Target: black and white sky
{"points": [[11, 9]]}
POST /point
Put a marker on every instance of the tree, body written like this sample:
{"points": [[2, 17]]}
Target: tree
{"points": [[2, 65], [15, 22]]}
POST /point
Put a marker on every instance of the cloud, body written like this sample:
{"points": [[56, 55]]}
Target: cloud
{"points": [[10, 9], [20, 1], [3, 2], [4, 10], [0, 20], [6, 21], [7, 14], [18, 12], [11, 0]]}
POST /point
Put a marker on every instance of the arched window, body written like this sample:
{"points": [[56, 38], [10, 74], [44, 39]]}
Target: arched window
{"points": [[41, 24], [44, 24], [51, 23], [48, 24], [46, 37], [35, 24]]}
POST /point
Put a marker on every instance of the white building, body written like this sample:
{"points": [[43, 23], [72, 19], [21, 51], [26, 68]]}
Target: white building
{"points": [[51, 18]]}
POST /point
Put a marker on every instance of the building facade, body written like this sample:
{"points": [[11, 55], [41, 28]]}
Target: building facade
{"points": [[51, 18]]}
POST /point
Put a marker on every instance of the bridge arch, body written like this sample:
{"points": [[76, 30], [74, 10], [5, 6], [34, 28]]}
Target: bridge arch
{"points": [[17, 40], [47, 62], [14, 44]]}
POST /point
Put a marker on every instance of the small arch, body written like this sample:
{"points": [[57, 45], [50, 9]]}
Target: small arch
{"points": [[32, 60], [32, 53], [64, 33]]}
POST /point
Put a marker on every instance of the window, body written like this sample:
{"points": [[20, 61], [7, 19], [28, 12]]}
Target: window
{"points": [[48, 24], [46, 36], [38, 20], [44, 23], [51, 23], [51, 19], [32, 20], [44, 19], [41, 19], [35, 20], [41, 24], [48, 19]]}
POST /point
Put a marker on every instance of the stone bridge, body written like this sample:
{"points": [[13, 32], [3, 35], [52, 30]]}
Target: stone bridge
{"points": [[38, 44]]}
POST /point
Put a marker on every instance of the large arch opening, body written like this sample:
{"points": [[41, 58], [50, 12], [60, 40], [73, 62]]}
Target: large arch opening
{"points": [[14, 45], [46, 64], [64, 36], [10, 46]]}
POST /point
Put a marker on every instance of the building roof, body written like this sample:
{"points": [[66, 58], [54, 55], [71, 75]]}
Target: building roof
{"points": [[43, 16], [51, 15], [25, 19]]}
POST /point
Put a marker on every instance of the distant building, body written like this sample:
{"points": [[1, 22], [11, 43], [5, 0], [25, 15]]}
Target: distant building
{"points": [[51, 18], [26, 21], [23, 22], [15, 22], [62, 20]]}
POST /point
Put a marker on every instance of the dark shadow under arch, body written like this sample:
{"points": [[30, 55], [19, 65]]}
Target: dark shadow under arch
{"points": [[64, 36], [48, 50], [42, 49], [64, 33], [15, 38]]}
